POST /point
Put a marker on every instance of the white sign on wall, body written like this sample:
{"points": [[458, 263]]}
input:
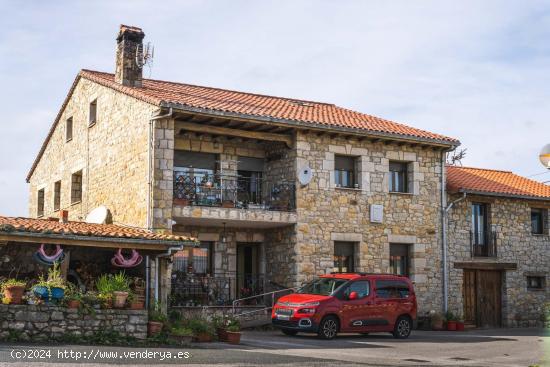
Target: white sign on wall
{"points": [[376, 213]]}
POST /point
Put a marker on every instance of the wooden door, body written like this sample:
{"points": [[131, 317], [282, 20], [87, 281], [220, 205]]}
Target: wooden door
{"points": [[482, 298]]}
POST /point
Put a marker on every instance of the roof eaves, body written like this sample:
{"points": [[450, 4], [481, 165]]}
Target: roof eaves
{"points": [[298, 123], [498, 194]]}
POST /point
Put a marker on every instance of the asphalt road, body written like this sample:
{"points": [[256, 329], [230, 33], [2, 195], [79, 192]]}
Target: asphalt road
{"points": [[504, 347]]}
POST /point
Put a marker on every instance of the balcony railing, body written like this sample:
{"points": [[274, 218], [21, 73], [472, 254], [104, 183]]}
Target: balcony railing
{"points": [[483, 244], [205, 290], [233, 191]]}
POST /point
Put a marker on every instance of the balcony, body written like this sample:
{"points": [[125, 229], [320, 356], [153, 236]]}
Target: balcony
{"points": [[483, 244], [232, 199]]}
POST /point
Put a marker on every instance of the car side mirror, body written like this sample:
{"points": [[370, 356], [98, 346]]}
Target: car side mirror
{"points": [[352, 296]]}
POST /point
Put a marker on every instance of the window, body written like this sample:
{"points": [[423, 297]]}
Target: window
{"points": [[69, 129], [344, 257], [392, 289], [399, 177], [362, 287], [344, 171], [399, 259], [76, 187], [250, 171], [539, 218], [197, 260], [92, 116], [535, 282], [40, 203], [479, 224], [57, 196]]}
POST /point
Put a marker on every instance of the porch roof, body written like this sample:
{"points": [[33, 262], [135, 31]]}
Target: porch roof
{"points": [[20, 229]]}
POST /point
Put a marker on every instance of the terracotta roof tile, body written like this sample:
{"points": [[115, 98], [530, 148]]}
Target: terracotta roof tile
{"points": [[84, 229], [494, 182], [255, 105]]}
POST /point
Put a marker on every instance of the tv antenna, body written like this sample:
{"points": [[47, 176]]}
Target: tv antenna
{"points": [[145, 55]]}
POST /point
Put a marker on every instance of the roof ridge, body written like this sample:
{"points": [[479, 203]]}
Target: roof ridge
{"points": [[223, 89], [483, 169]]}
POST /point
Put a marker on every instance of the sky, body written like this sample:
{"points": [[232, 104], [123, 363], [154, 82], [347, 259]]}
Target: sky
{"points": [[477, 70]]}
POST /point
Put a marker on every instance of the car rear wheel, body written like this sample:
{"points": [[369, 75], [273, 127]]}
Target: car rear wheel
{"points": [[289, 332], [403, 328], [328, 328]]}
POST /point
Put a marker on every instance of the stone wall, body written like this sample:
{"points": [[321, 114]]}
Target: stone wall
{"points": [[112, 155], [511, 220], [43, 323]]}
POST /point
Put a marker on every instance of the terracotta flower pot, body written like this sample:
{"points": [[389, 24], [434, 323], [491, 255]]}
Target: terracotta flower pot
{"points": [[120, 299], [228, 204], [14, 294], [459, 326], [451, 325], [73, 303], [437, 324], [203, 337], [233, 337], [222, 334], [137, 305], [154, 327]]}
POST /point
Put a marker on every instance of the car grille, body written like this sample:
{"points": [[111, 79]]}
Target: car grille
{"points": [[284, 311], [285, 323]]}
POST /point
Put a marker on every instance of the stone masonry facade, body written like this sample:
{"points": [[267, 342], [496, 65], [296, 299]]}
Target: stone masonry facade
{"points": [[510, 219]]}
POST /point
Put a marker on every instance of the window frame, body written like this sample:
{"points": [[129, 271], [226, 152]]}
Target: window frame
{"points": [[543, 221], [338, 261], [69, 128], [394, 176], [92, 113], [74, 199], [351, 175], [407, 258], [57, 196], [541, 280], [209, 245], [40, 202], [474, 222]]}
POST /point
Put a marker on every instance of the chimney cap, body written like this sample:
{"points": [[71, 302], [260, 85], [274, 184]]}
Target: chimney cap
{"points": [[130, 30]]}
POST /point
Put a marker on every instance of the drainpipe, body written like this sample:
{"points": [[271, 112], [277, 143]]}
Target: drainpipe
{"points": [[150, 147], [157, 272], [147, 277]]}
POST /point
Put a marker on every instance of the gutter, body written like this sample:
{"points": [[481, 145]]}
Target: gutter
{"points": [[150, 149], [496, 194]]}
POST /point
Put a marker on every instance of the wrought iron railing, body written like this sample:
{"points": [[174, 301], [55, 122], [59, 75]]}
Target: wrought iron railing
{"points": [[205, 290], [483, 244], [233, 191]]}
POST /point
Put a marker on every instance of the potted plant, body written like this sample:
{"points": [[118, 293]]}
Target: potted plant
{"points": [[53, 287], [233, 330], [157, 318], [436, 321], [120, 284], [73, 296], [459, 323], [104, 288], [135, 302], [219, 325], [13, 290], [201, 330], [451, 321], [183, 335]]}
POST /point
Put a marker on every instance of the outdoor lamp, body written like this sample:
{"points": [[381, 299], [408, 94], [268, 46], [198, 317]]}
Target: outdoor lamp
{"points": [[544, 156]]}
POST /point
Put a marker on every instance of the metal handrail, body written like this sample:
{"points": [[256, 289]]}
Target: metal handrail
{"points": [[272, 293]]}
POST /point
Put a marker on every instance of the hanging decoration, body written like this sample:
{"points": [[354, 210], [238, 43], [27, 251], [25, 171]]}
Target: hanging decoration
{"points": [[121, 262], [41, 257]]}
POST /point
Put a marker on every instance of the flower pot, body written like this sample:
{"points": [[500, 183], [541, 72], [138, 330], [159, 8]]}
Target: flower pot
{"points": [[233, 337], [203, 337], [120, 299], [182, 202], [459, 326], [57, 293], [154, 327], [228, 204], [73, 303], [451, 325], [137, 305], [222, 334], [14, 294], [437, 324], [182, 339]]}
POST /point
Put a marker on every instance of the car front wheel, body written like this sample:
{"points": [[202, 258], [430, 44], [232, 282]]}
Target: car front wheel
{"points": [[328, 328], [403, 328]]}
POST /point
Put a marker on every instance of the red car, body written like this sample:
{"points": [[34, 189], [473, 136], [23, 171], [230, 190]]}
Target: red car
{"points": [[349, 303]]}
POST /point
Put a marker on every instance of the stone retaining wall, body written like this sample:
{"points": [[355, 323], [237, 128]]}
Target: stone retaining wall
{"points": [[39, 323]]}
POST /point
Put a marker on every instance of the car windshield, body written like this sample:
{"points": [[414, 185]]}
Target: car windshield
{"points": [[322, 286]]}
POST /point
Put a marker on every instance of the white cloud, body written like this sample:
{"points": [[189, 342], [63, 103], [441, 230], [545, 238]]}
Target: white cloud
{"points": [[478, 71]]}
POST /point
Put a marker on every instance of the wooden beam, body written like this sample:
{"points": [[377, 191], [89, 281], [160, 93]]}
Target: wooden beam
{"points": [[216, 130], [485, 265]]}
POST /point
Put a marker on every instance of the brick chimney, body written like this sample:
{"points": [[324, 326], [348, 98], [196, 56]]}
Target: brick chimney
{"points": [[129, 45], [63, 216]]}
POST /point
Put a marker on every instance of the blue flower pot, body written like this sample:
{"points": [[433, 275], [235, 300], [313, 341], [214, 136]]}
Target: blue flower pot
{"points": [[58, 293], [42, 292]]}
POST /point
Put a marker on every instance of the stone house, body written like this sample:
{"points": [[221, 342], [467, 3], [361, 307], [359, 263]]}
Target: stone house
{"points": [[499, 247], [276, 189]]}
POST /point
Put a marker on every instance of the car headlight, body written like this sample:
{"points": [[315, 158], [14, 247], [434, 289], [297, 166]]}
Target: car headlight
{"points": [[307, 310]]}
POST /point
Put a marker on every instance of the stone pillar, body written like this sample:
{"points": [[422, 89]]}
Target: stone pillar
{"points": [[163, 174]]}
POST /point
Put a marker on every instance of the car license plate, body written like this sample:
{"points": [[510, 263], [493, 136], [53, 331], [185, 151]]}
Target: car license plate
{"points": [[283, 317]]}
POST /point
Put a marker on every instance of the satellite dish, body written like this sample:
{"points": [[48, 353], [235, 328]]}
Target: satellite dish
{"points": [[305, 174], [544, 156], [100, 215]]}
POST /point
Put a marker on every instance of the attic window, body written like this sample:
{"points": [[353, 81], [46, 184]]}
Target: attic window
{"points": [[92, 117], [69, 129], [40, 203]]}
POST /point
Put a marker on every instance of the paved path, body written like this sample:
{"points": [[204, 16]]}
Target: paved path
{"points": [[512, 347]]}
